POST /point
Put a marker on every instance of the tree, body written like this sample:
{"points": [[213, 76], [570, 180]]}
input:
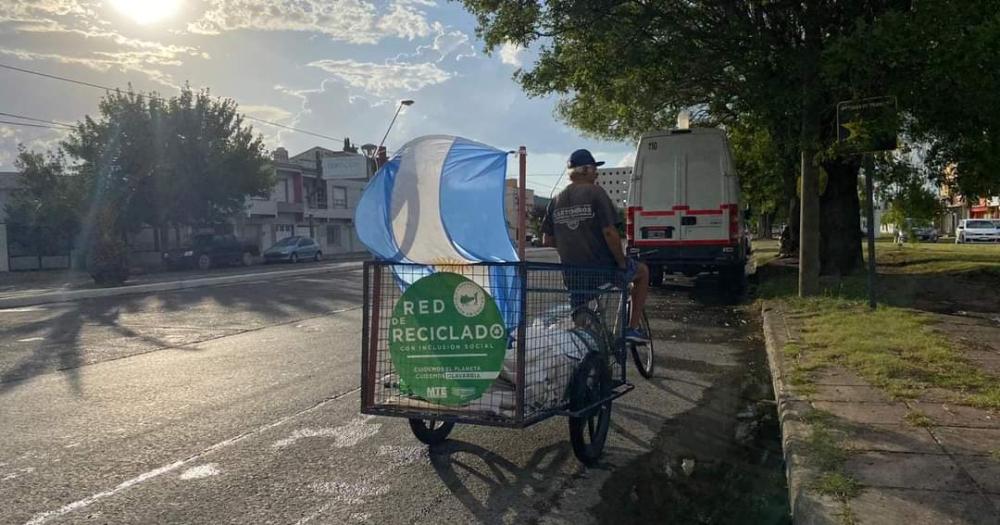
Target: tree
{"points": [[625, 67], [43, 213], [146, 160], [767, 173]]}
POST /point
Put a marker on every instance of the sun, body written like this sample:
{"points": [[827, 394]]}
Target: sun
{"points": [[146, 12]]}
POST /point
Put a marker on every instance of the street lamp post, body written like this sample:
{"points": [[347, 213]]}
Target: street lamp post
{"points": [[398, 109]]}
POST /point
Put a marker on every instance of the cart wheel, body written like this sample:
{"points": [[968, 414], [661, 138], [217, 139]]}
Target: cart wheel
{"points": [[587, 433], [642, 354], [431, 431]]}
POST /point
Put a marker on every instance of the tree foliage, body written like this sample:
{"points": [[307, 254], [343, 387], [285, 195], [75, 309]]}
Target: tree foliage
{"points": [[623, 67], [187, 160], [43, 213], [142, 161]]}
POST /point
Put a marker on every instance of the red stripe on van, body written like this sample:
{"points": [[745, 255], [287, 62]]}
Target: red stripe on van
{"points": [[686, 209], [708, 242]]}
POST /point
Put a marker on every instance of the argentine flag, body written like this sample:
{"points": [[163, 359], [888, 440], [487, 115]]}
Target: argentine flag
{"points": [[439, 203]]}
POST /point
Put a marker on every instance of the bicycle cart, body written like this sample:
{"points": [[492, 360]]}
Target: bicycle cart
{"points": [[497, 344]]}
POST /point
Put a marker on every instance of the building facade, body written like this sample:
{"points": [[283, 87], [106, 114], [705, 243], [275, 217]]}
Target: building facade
{"points": [[615, 182], [511, 204], [315, 195]]}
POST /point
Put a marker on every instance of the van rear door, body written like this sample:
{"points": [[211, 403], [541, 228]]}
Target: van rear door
{"points": [[681, 194]]}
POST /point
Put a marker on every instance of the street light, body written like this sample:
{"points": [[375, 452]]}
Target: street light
{"points": [[398, 109]]}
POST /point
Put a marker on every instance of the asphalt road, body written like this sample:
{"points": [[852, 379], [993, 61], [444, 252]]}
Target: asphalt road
{"points": [[239, 404]]}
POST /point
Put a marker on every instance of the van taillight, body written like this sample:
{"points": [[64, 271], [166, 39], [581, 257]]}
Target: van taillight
{"points": [[630, 222], [734, 223]]}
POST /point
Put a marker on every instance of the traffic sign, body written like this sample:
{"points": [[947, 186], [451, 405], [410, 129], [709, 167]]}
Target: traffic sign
{"points": [[868, 125]]}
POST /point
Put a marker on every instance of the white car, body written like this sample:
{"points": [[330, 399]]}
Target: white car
{"points": [[977, 230]]}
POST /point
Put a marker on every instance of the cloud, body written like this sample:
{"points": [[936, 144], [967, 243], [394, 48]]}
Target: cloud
{"points": [[510, 54], [138, 61], [386, 79], [627, 161], [266, 112], [352, 21], [405, 22]]}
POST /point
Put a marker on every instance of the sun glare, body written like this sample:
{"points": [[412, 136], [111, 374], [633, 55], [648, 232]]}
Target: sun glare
{"points": [[146, 12]]}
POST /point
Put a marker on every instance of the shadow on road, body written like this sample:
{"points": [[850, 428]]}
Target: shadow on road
{"points": [[67, 336], [456, 461]]}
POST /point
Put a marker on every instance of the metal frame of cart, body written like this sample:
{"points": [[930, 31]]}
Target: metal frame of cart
{"points": [[557, 363]]}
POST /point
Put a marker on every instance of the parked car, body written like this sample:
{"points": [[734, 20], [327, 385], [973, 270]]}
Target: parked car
{"points": [[977, 230], [923, 232], [293, 249], [208, 250]]}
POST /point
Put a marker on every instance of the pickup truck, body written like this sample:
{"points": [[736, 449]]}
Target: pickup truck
{"points": [[208, 250]]}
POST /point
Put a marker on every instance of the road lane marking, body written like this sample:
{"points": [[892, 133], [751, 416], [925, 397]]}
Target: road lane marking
{"points": [[45, 516], [347, 435], [30, 339], [22, 310], [201, 471]]}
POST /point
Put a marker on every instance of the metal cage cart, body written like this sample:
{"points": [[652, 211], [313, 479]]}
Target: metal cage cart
{"points": [[497, 344]]}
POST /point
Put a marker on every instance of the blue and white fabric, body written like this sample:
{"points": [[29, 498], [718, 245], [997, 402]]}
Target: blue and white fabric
{"points": [[439, 202]]}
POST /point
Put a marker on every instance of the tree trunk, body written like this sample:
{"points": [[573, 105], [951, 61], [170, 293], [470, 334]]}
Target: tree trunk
{"points": [[840, 219]]}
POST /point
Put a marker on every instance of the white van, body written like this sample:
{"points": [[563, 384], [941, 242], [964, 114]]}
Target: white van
{"points": [[684, 212]]}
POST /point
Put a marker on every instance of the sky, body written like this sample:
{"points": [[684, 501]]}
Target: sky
{"points": [[333, 67]]}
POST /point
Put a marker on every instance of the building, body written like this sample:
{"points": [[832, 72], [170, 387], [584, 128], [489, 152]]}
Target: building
{"points": [[510, 203], [314, 195], [957, 207], [615, 182]]}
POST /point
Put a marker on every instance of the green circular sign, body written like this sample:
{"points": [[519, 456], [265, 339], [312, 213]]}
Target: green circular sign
{"points": [[447, 339]]}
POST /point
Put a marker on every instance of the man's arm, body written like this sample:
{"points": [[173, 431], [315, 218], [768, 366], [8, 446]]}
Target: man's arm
{"points": [[614, 244]]}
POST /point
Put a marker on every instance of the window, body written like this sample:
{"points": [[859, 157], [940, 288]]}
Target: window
{"points": [[333, 235], [339, 197], [284, 183], [319, 195]]}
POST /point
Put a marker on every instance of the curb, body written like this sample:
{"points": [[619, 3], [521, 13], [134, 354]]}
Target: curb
{"points": [[76, 295], [807, 507]]}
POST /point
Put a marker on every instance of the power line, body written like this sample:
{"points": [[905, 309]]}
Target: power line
{"points": [[29, 125], [108, 88], [33, 119]]}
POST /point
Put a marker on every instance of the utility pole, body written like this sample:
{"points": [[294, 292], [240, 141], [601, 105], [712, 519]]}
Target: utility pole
{"points": [[869, 166], [811, 113], [522, 180], [809, 227]]}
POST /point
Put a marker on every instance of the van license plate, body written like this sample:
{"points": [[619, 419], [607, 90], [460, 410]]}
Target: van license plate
{"points": [[657, 233]]}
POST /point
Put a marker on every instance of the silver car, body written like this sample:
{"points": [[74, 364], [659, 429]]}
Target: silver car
{"points": [[977, 230]]}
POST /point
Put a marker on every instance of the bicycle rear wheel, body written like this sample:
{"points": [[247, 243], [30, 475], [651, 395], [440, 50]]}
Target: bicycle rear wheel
{"points": [[642, 354], [589, 431]]}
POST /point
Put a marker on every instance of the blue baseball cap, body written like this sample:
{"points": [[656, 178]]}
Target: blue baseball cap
{"points": [[582, 157]]}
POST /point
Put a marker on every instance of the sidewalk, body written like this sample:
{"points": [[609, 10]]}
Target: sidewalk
{"points": [[856, 455], [890, 415]]}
